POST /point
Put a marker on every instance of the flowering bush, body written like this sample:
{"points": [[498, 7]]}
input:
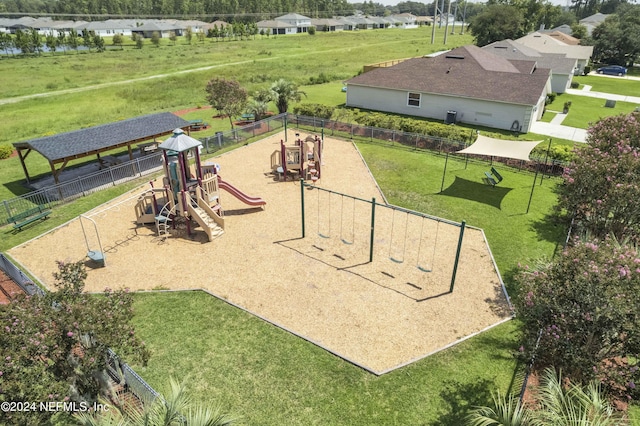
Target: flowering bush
{"points": [[583, 308], [602, 187], [54, 347]]}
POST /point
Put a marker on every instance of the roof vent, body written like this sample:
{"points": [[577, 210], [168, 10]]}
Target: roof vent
{"points": [[454, 57]]}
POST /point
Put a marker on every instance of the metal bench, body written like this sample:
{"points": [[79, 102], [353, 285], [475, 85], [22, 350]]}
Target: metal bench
{"points": [[29, 216], [493, 177]]}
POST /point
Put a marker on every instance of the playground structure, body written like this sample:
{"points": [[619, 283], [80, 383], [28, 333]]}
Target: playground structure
{"points": [[369, 313], [190, 193], [302, 160]]}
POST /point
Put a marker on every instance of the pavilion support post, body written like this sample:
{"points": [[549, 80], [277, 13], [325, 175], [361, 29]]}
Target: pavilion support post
{"points": [[24, 165]]}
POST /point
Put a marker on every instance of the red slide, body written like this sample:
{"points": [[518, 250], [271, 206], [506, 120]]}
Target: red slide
{"points": [[252, 201]]}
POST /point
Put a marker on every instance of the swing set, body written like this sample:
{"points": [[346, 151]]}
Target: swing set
{"points": [[425, 261], [401, 259]]}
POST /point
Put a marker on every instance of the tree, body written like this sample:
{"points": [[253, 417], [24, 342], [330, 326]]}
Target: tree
{"points": [[55, 346], [285, 91], [87, 39], [98, 42], [155, 38], [51, 42], [188, 34], [601, 189], [175, 408], [62, 41], [173, 37], [118, 40], [582, 309], [617, 39], [6, 43], [558, 404], [226, 96], [73, 39], [497, 22], [578, 31]]}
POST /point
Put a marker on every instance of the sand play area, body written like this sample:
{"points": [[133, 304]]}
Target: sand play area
{"points": [[379, 315]]}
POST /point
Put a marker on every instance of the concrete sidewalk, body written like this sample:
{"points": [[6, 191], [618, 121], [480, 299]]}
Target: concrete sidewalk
{"points": [[558, 130], [555, 127]]}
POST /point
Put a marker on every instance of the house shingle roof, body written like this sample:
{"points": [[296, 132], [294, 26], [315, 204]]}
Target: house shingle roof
{"points": [[80, 143], [467, 71], [559, 63]]}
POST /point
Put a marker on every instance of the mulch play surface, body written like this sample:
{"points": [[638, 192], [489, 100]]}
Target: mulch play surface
{"points": [[379, 315]]}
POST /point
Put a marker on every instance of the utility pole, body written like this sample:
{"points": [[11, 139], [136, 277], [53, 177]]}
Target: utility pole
{"points": [[433, 24], [464, 16], [455, 16], [446, 27]]}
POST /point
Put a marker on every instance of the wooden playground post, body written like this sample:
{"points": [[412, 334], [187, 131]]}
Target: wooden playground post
{"points": [[455, 262], [302, 203]]}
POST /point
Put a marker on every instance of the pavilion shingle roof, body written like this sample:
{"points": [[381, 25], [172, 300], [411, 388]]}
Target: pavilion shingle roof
{"points": [[79, 143], [467, 71]]}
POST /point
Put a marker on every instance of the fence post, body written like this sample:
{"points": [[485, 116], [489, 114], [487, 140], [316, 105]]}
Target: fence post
{"points": [[455, 262], [373, 228], [302, 204], [113, 180]]}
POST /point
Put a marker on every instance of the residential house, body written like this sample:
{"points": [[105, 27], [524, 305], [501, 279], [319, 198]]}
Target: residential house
{"points": [[470, 84], [547, 44], [108, 28], [301, 23], [560, 65], [276, 27], [163, 29], [406, 20], [326, 25], [590, 22]]}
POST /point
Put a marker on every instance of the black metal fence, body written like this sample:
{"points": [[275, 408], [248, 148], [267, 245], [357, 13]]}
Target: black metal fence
{"points": [[125, 172], [19, 277], [121, 371]]}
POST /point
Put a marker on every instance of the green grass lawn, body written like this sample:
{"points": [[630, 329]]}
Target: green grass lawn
{"points": [[617, 86], [413, 180], [585, 110], [269, 377]]}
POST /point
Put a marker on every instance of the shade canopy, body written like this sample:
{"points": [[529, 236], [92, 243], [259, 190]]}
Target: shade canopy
{"points": [[179, 142], [500, 148]]}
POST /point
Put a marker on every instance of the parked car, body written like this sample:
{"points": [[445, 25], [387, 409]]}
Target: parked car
{"points": [[612, 70]]}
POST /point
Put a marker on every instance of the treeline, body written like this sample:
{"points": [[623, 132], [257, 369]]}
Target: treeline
{"points": [[256, 9]]}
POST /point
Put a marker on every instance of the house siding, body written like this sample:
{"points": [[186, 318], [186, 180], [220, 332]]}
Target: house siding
{"points": [[472, 111]]}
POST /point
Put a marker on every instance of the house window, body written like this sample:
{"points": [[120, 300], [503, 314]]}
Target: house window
{"points": [[414, 99]]}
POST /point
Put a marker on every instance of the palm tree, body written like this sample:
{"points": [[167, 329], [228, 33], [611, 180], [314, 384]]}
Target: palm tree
{"points": [[285, 91], [176, 408], [557, 405], [506, 412]]}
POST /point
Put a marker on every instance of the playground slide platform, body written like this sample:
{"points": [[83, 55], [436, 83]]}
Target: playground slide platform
{"points": [[252, 201]]}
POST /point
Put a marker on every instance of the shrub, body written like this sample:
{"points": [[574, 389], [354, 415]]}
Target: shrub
{"points": [[583, 309], [314, 110], [601, 188], [5, 151], [550, 98], [311, 30], [575, 84]]}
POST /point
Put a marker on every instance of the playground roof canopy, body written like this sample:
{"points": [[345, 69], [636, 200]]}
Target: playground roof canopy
{"points": [[179, 142], [63, 147], [485, 145]]}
